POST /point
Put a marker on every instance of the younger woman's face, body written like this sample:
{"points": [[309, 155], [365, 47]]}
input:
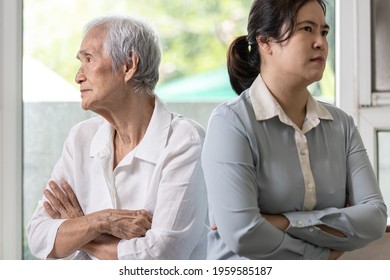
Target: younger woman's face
{"points": [[303, 56]]}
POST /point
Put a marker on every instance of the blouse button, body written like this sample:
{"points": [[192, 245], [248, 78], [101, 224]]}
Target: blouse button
{"points": [[303, 152]]}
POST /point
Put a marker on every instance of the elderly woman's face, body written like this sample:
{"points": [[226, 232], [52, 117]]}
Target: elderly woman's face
{"points": [[98, 83]]}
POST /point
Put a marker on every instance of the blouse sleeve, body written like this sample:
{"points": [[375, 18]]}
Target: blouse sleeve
{"points": [[362, 221], [232, 192]]}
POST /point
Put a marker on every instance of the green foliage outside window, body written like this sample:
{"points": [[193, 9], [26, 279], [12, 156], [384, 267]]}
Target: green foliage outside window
{"points": [[195, 34]]}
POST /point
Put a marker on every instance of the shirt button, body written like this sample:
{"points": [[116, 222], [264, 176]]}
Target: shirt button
{"points": [[310, 186], [311, 229], [303, 152]]}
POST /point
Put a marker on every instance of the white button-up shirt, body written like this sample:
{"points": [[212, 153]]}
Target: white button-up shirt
{"points": [[162, 175]]}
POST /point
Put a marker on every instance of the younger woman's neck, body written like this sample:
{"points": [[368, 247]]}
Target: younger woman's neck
{"points": [[292, 97]]}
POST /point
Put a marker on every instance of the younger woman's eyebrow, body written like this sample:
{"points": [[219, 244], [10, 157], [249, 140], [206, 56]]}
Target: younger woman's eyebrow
{"points": [[313, 23]]}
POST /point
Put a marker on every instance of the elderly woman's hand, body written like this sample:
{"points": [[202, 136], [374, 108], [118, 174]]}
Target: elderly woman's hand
{"points": [[126, 224], [123, 224], [62, 204]]}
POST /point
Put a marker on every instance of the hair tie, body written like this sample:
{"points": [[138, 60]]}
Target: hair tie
{"points": [[242, 42]]}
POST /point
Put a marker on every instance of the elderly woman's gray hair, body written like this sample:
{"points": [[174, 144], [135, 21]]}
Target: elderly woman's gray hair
{"points": [[127, 35]]}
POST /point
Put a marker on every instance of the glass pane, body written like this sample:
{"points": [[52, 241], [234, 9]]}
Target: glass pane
{"points": [[384, 165], [193, 77], [193, 56], [380, 43]]}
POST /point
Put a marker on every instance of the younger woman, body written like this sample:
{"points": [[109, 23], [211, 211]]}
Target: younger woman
{"points": [[287, 176]]}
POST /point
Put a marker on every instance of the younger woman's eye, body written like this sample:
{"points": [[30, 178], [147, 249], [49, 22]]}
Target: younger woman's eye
{"points": [[307, 28]]}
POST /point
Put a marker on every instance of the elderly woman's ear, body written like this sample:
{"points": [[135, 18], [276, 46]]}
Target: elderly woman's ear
{"points": [[132, 66]]}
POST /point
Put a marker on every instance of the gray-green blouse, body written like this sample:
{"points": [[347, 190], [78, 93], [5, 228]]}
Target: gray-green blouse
{"points": [[256, 160]]}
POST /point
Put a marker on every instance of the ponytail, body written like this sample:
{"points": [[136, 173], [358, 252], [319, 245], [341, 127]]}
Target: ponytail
{"points": [[243, 64], [267, 19]]}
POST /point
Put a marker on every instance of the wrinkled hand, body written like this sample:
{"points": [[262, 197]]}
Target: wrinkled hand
{"points": [[127, 224], [122, 224], [62, 204]]}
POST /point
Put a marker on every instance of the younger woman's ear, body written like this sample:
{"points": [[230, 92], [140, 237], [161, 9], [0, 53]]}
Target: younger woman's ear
{"points": [[264, 44], [131, 68]]}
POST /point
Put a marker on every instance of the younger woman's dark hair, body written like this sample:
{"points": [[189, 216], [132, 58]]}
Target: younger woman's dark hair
{"points": [[267, 19]]}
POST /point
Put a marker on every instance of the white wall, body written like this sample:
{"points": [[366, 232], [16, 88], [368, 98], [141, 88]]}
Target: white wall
{"points": [[10, 129]]}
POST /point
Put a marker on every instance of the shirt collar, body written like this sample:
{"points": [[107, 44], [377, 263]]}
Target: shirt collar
{"points": [[266, 106], [156, 136], [151, 145], [102, 141]]}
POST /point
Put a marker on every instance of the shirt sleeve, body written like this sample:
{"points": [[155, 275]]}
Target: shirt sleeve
{"points": [[179, 219], [230, 177], [365, 217], [41, 229]]}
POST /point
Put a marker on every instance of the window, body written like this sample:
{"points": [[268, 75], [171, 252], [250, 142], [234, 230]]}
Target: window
{"points": [[372, 86], [193, 56], [375, 130], [381, 38], [40, 33], [381, 55], [38, 30]]}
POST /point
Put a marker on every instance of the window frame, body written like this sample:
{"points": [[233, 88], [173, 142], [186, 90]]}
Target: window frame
{"points": [[370, 110], [11, 234], [371, 121]]}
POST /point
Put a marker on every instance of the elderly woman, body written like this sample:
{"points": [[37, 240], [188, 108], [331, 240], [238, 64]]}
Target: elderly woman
{"points": [[129, 183]]}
